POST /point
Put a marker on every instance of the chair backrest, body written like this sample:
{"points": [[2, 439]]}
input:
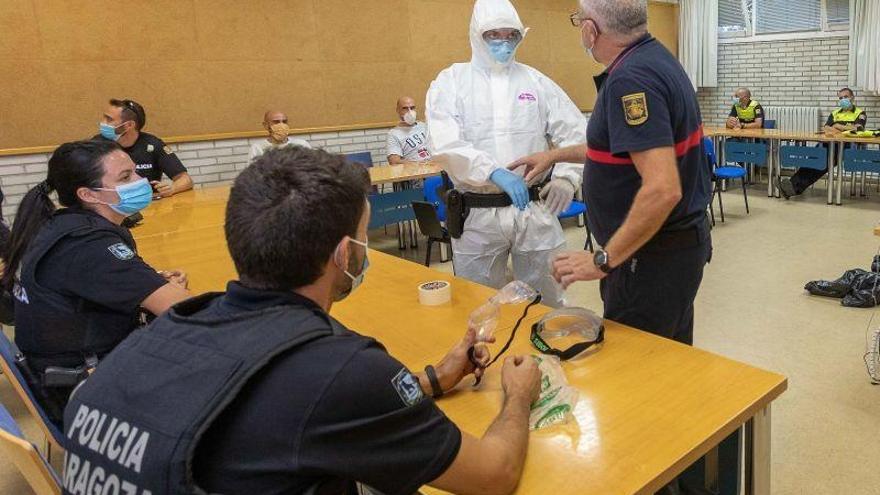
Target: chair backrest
{"points": [[427, 218], [33, 466], [391, 208], [574, 209], [742, 152], [432, 195], [814, 157], [710, 150], [855, 160], [769, 124], [8, 352], [365, 158]]}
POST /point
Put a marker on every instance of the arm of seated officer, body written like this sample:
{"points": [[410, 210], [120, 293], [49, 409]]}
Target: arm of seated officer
{"points": [[181, 182], [164, 297], [757, 124], [493, 464], [395, 160]]}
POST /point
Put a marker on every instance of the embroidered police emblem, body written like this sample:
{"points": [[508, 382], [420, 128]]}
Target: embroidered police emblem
{"points": [[121, 251], [168, 150], [150, 148], [635, 107], [407, 387]]}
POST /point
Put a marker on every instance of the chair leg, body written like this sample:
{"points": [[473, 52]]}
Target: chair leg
{"points": [[720, 202], [746, 198], [428, 255], [588, 245], [712, 209]]}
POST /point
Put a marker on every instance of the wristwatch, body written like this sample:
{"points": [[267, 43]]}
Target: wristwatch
{"points": [[601, 260]]}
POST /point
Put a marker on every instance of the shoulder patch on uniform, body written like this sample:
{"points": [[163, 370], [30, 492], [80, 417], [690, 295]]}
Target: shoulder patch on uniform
{"points": [[168, 150], [150, 148], [407, 387], [121, 251], [635, 107]]}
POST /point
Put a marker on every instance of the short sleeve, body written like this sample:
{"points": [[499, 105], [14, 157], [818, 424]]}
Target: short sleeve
{"points": [[388, 435], [830, 121], [759, 112], [106, 270], [732, 111], [638, 116], [394, 147], [862, 121], [168, 161]]}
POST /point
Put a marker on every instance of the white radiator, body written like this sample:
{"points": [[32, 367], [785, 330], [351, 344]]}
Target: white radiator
{"points": [[794, 119]]}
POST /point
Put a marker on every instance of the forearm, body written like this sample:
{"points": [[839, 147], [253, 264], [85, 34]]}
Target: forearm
{"points": [[507, 438], [395, 159], [571, 154], [649, 211], [181, 183], [753, 125]]}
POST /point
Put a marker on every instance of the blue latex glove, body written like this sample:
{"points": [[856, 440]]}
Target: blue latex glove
{"points": [[513, 185]]}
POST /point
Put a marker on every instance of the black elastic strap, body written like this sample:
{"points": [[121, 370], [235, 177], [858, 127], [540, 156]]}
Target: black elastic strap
{"points": [[525, 313], [436, 390], [569, 353]]}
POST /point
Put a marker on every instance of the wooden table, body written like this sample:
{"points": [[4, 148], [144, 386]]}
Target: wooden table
{"points": [[648, 407], [775, 136], [389, 174]]}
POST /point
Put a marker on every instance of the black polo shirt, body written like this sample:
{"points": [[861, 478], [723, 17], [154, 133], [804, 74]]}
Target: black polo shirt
{"points": [[152, 157], [86, 291], [331, 411], [645, 101]]}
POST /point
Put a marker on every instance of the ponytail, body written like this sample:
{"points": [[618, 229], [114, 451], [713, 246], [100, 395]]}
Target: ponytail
{"points": [[35, 209]]}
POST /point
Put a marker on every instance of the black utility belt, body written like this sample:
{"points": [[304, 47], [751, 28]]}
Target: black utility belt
{"points": [[59, 376], [500, 200]]}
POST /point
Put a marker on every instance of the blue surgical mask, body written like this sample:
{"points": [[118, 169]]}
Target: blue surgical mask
{"points": [[108, 131], [356, 280], [844, 103], [502, 50], [736, 101], [133, 197]]}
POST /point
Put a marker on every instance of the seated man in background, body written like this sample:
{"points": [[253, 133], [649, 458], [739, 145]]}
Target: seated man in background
{"points": [[275, 123], [746, 112], [408, 142], [260, 390], [123, 123], [847, 117]]}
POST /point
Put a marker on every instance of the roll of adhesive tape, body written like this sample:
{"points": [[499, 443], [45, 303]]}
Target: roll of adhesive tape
{"points": [[435, 293]]}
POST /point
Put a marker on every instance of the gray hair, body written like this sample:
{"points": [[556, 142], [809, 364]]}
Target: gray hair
{"points": [[745, 90], [624, 17]]}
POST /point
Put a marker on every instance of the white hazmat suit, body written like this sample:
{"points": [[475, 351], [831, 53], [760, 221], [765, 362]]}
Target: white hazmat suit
{"points": [[482, 116]]}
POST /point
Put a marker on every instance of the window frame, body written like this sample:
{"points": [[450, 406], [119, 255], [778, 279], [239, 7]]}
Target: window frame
{"points": [[826, 29]]}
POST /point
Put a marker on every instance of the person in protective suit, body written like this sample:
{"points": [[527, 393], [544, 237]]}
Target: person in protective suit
{"points": [[482, 116]]}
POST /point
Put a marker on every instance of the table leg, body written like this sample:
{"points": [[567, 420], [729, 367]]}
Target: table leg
{"points": [[757, 454], [831, 148], [771, 171], [842, 146]]}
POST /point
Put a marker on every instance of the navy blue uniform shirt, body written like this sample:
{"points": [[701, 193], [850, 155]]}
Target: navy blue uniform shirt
{"points": [[330, 412], [645, 101]]}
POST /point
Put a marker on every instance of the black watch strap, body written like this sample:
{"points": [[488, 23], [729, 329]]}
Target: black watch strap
{"points": [[436, 390]]}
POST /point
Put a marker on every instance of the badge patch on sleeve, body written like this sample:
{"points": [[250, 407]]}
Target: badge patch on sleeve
{"points": [[121, 251], [635, 107], [150, 148], [407, 387], [168, 150]]}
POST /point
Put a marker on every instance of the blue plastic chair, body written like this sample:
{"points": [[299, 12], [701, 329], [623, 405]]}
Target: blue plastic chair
{"points": [[814, 157], [365, 158], [860, 161], [769, 124], [393, 208], [721, 174], [575, 209], [8, 351], [34, 467], [432, 184]]}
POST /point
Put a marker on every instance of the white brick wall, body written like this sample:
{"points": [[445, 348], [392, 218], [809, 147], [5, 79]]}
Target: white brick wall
{"points": [[784, 73], [209, 163]]}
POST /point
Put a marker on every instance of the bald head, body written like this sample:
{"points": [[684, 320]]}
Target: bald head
{"points": [[407, 105], [743, 92], [274, 117], [626, 18]]}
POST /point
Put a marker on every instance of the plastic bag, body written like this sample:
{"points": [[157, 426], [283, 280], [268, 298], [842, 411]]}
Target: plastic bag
{"points": [[556, 400], [485, 318], [857, 288]]}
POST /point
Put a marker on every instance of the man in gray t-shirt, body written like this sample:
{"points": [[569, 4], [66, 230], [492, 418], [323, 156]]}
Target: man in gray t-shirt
{"points": [[408, 142]]}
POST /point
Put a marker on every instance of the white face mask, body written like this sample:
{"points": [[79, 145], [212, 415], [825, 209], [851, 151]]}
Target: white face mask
{"points": [[410, 117], [356, 280]]}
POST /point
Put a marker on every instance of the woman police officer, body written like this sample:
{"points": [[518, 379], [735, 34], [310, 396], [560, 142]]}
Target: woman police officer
{"points": [[74, 273]]}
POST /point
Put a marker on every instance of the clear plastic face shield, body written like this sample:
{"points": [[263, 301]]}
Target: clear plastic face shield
{"points": [[568, 322], [484, 320]]}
